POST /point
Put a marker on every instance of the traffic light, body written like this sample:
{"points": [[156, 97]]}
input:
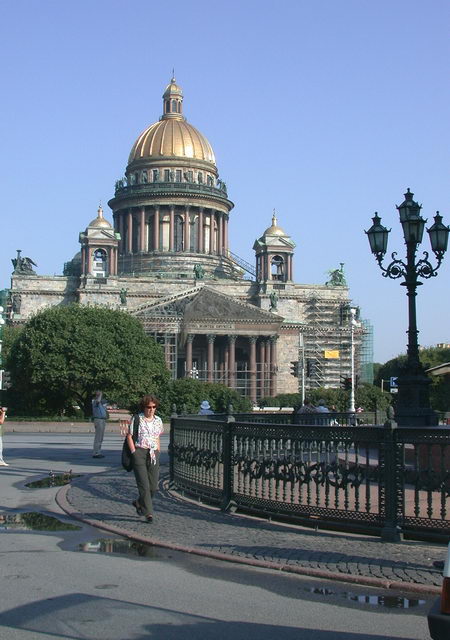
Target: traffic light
{"points": [[294, 368], [346, 383], [309, 367]]}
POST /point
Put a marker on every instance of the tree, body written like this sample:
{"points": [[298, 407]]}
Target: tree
{"points": [[429, 357], [187, 394], [64, 354]]}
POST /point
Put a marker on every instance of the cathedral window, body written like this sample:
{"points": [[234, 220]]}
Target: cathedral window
{"points": [[277, 268], [144, 177], [178, 175], [164, 229], [99, 263], [193, 220], [155, 175], [178, 234], [174, 106], [166, 175], [210, 181], [167, 106], [200, 177]]}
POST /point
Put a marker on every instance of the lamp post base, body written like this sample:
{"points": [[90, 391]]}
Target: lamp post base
{"points": [[413, 401]]}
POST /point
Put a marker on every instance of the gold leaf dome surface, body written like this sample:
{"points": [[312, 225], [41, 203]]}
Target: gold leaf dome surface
{"points": [[172, 138], [100, 221], [274, 229]]}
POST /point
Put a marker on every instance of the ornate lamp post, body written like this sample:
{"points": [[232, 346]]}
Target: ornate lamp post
{"points": [[353, 324], [413, 403]]}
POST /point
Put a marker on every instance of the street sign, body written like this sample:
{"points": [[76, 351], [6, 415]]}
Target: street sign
{"points": [[393, 384]]}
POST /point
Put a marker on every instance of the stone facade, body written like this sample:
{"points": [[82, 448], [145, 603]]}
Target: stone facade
{"points": [[166, 260]]}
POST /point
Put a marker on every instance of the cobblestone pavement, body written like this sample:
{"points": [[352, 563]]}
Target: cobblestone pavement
{"points": [[104, 500]]}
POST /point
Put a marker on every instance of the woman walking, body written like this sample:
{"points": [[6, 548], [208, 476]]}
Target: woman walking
{"points": [[143, 439]]}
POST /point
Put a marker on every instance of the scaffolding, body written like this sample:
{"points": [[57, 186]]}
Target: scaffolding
{"points": [[366, 352], [327, 340]]}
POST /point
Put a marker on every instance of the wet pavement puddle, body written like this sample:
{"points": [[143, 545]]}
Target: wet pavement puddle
{"points": [[53, 480], [34, 521], [388, 602], [123, 547]]}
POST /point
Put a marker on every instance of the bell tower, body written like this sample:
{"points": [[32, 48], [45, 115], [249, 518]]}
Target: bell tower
{"points": [[274, 253]]}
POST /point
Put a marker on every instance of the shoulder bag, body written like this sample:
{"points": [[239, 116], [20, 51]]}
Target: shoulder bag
{"points": [[127, 456]]}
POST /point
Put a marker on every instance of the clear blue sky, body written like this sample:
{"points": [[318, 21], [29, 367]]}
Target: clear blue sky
{"points": [[326, 111]]}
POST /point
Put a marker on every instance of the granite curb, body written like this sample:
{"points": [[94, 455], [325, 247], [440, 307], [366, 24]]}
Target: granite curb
{"points": [[96, 502]]}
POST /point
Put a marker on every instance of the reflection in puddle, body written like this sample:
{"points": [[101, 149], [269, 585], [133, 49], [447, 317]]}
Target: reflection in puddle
{"points": [[389, 602], [53, 480], [121, 547], [34, 521]]}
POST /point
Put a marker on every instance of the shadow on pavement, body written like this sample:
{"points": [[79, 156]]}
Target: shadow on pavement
{"points": [[78, 616]]}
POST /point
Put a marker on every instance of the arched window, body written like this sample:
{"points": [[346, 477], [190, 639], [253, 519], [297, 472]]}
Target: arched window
{"points": [[193, 235], [144, 177], [178, 234], [167, 106], [277, 268], [99, 263], [174, 106], [164, 233], [150, 227], [200, 177]]}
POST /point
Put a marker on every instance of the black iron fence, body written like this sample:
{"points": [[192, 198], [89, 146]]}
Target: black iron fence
{"points": [[378, 479]]}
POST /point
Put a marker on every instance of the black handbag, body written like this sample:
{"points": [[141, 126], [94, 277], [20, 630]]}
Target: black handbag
{"points": [[127, 456]]}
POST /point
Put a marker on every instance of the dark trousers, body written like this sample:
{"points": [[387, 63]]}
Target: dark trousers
{"points": [[146, 475]]}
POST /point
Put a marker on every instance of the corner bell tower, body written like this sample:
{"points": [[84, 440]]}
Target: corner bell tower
{"points": [[274, 253]]}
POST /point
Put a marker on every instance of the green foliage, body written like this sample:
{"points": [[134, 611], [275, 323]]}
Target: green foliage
{"points": [[430, 357], [367, 396], [64, 354], [10, 335], [187, 394]]}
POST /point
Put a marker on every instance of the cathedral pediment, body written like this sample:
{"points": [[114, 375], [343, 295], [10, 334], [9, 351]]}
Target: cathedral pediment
{"points": [[206, 307]]}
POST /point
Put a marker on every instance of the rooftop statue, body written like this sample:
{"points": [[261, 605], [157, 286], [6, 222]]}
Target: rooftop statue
{"points": [[123, 296], [337, 277], [199, 272], [273, 301], [23, 266]]}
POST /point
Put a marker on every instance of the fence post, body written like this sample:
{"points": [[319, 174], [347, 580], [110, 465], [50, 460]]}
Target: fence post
{"points": [[228, 485], [170, 450], [391, 531]]}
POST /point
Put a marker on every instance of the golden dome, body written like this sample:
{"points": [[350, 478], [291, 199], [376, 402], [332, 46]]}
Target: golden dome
{"points": [[100, 221], [172, 136], [274, 229]]}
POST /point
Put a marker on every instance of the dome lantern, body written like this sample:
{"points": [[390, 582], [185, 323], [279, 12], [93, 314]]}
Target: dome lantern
{"points": [[173, 101]]}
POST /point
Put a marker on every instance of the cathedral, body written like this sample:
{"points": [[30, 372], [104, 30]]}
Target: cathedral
{"points": [[166, 260]]}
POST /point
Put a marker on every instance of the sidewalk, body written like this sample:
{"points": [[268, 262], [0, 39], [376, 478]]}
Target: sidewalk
{"points": [[104, 500]]}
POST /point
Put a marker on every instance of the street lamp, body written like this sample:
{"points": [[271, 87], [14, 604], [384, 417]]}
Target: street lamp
{"points": [[413, 399], [353, 324]]}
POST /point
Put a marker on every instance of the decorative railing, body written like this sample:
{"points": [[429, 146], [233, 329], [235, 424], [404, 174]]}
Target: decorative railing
{"points": [[376, 479], [152, 188]]}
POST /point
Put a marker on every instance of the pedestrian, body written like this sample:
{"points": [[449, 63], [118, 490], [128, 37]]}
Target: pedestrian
{"points": [[100, 414], [2, 420], [307, 407], [143, 436], [322, 407], [205, 409]]}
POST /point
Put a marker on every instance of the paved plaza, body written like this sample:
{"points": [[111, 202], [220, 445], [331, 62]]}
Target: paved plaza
{"points": [[104, 500]]}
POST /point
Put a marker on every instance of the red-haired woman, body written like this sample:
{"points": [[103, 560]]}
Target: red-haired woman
{"points": [[143, 439]]}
